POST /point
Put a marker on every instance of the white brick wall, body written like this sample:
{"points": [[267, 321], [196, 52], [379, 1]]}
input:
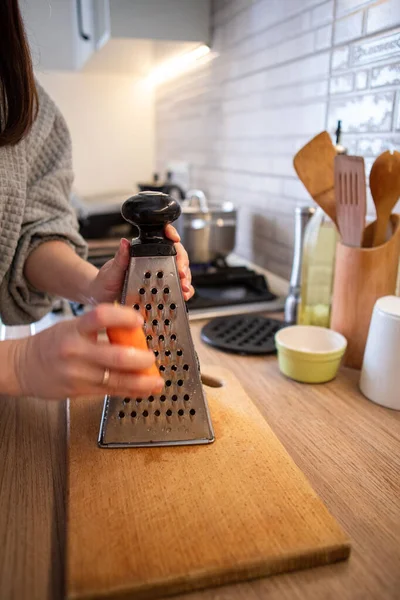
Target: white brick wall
{"points": [[284, 70]]}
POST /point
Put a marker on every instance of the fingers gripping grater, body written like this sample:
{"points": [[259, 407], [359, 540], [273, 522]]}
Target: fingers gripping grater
{"points": [[179, 414]]}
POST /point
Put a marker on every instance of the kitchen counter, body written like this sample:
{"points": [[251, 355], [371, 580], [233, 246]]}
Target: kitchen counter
{"points": [[348, 448]]}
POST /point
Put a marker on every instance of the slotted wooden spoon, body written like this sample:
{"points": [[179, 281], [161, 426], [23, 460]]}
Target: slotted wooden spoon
{"points": [[384, 181], [314, 164], [351, 201]]}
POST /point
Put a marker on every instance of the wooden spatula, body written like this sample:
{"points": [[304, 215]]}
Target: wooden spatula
{"points": [[351, 201], [314, 164], [384, 181]]}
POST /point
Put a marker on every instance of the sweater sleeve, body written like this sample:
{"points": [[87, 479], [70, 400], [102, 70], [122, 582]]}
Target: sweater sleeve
{"points": [[48, 216]]}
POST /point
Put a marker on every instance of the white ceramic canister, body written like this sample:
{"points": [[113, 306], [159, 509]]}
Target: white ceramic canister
{"points": [[380, 374]]}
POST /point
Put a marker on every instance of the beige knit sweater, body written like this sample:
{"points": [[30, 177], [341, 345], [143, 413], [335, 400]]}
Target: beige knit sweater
{"points": [[35, 183]]}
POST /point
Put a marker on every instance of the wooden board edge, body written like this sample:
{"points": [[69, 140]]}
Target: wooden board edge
{"points": [[220, 577]]}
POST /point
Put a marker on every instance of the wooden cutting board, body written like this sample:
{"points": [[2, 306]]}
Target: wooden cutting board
{"points": [[149, 522]]}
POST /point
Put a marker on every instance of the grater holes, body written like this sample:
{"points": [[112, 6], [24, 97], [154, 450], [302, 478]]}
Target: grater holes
{"points": [[148, 307], [166, 291], [168, 353], [121, 414], [168, 383], [149, 338], [151, 398], [156, 353], [160, 275], [169, 412], [127, 400], [142, 291], [186, 397], [173, 338], [180, 382], [161, 338], [160, 306], [147, 275], [138, 400], [133, 414], [179, 352], [163, 398], [155, 322], [186, 367], [145, 413], [167, 322], [192, 412], [157, 413], [181, 412], [174, 397], [162, 368], [154, 291], [174, 368], [136, 306], [172, 306]]}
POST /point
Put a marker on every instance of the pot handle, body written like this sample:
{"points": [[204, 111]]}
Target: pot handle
{"points": [[199, 197]]}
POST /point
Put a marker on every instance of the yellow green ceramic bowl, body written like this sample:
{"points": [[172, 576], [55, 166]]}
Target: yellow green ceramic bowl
{"points": [[309, 354]]}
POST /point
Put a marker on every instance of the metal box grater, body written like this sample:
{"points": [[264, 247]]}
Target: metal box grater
{"points": [[179, 415]]}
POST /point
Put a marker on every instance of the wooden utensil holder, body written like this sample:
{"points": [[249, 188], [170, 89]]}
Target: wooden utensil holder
{"points": [[362, 275]]}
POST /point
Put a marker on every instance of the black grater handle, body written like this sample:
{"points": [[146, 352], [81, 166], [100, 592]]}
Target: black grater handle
{"points": [[150, 212]]}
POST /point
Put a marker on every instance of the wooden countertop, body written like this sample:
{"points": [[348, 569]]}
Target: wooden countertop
{"points": [[348, 447]]}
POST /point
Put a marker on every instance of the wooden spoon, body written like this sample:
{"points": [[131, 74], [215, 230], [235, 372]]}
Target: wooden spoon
{"points": [[384, 181], [314, 164]]}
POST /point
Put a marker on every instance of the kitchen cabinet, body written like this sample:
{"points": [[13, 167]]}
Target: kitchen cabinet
{"points": [[62, 33], [65, 34], [167, 20]]}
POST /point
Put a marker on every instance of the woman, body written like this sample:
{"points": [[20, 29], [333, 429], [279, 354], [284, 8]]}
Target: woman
{"points": [[42, 255]]}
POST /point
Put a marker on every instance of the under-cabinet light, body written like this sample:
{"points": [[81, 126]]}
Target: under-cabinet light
{"points": [[176, 66]]}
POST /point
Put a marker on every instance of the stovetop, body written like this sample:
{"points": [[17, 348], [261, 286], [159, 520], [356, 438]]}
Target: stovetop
{"points": [[221, 289], [228, 285]]}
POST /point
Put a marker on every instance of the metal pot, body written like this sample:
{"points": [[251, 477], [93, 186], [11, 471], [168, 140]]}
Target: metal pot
{"points": [[207, 230]]}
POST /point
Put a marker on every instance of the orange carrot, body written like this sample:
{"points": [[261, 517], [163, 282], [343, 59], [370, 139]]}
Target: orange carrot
{"points": [[132, 338]]}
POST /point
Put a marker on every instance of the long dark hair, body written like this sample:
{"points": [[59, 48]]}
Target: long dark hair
{"points": [[18, 93]]}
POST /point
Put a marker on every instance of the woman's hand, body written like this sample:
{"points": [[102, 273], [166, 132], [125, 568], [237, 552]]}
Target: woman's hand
{"points": [[182, 260], [108, 283], [67, 360]]}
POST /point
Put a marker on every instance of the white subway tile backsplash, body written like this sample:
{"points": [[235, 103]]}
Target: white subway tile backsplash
{"points": [[286, 51], [345, 6], [246, 85], [291, 28], [284, 230], [342, 84], [348, 28], [340, 58], [323, 37], [322, 14], [375, 146], [377, 48], [243, 103], [263, 225], [387, 75], [361, 80], [366, 112], [276, 82], [306, 69], [385, 14], [302, 120], [296, 93], [293, 188]]}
